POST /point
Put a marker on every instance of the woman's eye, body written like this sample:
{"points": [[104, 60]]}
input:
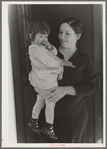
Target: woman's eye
{"points": [[67, 33]]}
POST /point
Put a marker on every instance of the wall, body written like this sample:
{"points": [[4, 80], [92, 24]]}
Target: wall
{"points": [[54, 14], [16, 69], [9, 135]]}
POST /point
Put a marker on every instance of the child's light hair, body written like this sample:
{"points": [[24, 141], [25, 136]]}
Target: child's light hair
{"points": [[37, 27]]}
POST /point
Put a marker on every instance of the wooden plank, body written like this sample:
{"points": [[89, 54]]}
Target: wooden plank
{"points": [[16, 63], [97, 58]]}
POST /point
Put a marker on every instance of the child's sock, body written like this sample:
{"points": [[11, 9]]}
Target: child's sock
{"points": [[48, 125], [48, 130], [34, 125], [34, 120]]}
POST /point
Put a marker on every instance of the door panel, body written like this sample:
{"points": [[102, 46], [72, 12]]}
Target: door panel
{"points": [[98, 62], [24, 19]]}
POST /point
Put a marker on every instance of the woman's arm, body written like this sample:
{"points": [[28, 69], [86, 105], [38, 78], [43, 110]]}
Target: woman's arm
{"points": [[59, 92], [70, 90], [85, 88]]}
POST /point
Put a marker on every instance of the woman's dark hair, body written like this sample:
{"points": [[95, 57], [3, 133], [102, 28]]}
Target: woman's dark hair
{"points": [[37, 27], [76, 25]]}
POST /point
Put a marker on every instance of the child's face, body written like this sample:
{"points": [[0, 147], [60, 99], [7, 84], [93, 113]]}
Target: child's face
{"points": [[39, 38]]}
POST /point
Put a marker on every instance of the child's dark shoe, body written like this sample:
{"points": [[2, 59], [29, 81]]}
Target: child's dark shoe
{"points": [[33, 124], [48, 130]]}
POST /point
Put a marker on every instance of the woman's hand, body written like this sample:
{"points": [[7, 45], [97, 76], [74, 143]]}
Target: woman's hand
{"points": [[59, 92], [43, 92], [56, 94]]}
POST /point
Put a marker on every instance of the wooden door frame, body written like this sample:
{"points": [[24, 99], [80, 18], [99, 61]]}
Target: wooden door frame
{"points": [[16, 67], [98, 62]]}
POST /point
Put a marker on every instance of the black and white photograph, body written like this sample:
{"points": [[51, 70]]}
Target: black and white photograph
{"points": [[53, 74]]}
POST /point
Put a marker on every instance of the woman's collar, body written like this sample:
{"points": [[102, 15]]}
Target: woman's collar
{"points": [[73, 56]]}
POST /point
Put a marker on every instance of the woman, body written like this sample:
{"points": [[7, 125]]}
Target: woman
{"points": [[71, 115]]}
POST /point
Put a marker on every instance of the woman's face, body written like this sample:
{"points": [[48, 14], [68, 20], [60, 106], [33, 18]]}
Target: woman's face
{"points": [[67, 36]]}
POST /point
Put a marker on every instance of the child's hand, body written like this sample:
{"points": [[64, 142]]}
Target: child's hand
{"points": [[44, 43], [60, 76], [67, 63], [47, 45]]}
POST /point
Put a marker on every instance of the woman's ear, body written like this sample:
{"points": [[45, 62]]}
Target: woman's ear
{"points": [[78, 36], [30, 35]]}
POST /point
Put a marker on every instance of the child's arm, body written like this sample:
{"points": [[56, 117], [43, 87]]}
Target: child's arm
{"points": [[67, 63], [60, 76], [53, 51], [43, 56], [50, 48], [41, 53]]}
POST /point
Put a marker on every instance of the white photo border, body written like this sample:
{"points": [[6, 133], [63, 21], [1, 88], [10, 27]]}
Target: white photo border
{"points": [[5, 75]]}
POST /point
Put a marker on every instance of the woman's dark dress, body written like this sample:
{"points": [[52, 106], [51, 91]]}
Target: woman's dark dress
{"points": [[71, 115]]}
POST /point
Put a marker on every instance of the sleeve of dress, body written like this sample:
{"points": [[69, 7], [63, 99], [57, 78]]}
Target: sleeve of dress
{"points": [[54, 51], [88, 80], [46, 57]]}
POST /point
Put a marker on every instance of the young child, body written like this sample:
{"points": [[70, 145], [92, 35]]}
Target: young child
{"points": [[47, 68]]}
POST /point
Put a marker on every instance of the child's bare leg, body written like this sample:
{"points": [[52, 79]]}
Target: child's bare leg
{"points": [[38, 106]]}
